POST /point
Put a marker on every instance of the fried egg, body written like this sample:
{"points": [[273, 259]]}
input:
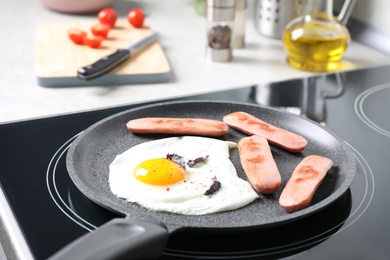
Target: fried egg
{"points": [[145, 176]]}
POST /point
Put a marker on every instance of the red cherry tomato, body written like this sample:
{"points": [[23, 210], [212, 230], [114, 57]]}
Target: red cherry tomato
{"points": [[107, 16], [93, 41], [136, 17], [100, 30], [77, 35]]}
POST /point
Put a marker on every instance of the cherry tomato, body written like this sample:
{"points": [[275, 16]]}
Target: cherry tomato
{"points": [[77, 35], [107, 16], [93, 41], [100, 30], [136, 17]]}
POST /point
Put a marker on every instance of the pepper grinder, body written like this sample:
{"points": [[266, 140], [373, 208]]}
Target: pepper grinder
{"points": [[239, 25], [220, 25]]}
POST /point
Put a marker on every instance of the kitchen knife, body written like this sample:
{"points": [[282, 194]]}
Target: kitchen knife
{"points": [[109, 62]]}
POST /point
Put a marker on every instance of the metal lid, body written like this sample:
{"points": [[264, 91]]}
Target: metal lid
{"points": [[221, 3], [220, 10]]}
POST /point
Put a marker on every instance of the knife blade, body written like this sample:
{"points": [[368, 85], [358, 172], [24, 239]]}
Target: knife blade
{"points": [[111, 61]]}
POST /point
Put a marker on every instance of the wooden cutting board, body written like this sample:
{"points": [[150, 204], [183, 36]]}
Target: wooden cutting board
{"points": [[57, 58]]}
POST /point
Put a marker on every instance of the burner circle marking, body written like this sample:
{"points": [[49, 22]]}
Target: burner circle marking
{"points": [[358, 106], [53, 190]]}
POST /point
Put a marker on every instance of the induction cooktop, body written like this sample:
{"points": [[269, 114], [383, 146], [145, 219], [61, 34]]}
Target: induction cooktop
{"points": [[42, 211]]}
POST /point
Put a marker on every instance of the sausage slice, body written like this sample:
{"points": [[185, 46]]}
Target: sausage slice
{"points": [[258, 163], [304, 181], [190, 126], [277, 136]]}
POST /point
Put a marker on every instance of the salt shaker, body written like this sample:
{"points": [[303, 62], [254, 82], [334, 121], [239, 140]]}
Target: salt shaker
{"points": [[239, 25], [220, 25]]}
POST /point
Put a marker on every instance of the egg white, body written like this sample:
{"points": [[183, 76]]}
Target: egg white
{"points": [[187, 196]]}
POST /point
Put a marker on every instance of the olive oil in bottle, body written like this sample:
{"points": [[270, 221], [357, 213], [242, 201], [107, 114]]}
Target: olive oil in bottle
{"points": [[316, 41]]}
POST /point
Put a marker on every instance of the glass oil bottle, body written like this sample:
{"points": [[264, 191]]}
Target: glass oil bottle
{"points": [[316, 41]]}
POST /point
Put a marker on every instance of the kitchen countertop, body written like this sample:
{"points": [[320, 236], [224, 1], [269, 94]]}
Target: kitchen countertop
{"points": [[182, 37]]}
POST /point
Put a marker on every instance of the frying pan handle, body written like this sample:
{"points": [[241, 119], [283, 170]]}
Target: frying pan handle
{"points": [[121, 238]]}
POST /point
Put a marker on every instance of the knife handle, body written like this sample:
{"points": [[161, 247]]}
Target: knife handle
{"points": [[103, 65]]}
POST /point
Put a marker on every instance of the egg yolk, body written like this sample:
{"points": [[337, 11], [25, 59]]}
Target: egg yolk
{"points": [[159, 172]]}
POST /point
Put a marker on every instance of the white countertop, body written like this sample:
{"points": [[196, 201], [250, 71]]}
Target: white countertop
{"points": [[182, 36]]}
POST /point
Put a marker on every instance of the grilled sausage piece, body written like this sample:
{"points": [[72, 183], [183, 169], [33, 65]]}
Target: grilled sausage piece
{"points": [[258, 163], [190, 126], [277, 136], [304, 181]]}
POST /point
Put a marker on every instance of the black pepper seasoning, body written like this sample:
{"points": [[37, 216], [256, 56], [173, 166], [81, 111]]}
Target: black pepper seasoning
{"points": [[220, 24]]}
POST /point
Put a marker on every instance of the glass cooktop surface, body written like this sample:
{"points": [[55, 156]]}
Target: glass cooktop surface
{"points": [[51, 212]]}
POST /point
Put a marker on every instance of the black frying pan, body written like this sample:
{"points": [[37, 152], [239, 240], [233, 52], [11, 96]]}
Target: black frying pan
{"points": [[143, 233]]}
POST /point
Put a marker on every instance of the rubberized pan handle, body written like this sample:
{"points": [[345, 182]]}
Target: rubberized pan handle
{"points": [[120, 238]]}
